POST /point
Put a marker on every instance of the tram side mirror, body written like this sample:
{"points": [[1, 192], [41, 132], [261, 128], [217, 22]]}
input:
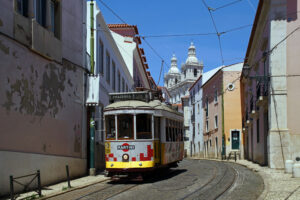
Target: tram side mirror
{"points": [[297, 159]]}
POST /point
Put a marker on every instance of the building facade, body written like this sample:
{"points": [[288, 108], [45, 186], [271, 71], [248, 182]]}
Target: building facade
{"points": [[222, 121], [128, 42], [271, 85], [195, 114], [42, 75], [178, 82], [111, 75]]}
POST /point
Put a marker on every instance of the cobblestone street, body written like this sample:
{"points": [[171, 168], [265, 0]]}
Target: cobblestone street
{"points": [[193, 179]]}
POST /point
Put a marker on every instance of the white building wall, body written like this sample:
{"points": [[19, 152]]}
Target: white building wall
{"points": [[278, 150], [103, 33], [197, 141]]}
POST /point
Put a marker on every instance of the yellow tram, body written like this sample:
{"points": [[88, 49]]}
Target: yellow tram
{"points": [[141, 134]]}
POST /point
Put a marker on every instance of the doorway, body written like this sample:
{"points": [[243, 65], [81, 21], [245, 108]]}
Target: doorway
{"points": [[235, 140]]}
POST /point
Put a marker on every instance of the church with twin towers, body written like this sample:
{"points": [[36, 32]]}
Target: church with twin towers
{"points": [[178, 81]]}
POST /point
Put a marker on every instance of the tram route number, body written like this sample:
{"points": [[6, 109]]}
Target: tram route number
{"points": [[125, 147]]}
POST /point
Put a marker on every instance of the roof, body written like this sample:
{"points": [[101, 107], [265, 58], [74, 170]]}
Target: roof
{"points": [[208, 75], [185, 97], [232, 67], [139, 105], [123, 26], [258, 12]]}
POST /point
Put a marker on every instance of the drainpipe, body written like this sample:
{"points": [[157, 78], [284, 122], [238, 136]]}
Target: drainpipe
{"points": [[223, 132], [92, 170]]}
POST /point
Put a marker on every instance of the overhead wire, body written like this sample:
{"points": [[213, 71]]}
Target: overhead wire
{"points": [[252, 6], [226, 5], [216, 29], [113, 12]]}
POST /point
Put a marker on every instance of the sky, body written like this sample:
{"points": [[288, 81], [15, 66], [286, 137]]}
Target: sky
{"points": [[169, 17]]}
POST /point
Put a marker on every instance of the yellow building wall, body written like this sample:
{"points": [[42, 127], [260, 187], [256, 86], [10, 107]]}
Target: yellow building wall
{"points": [[232, 107]]}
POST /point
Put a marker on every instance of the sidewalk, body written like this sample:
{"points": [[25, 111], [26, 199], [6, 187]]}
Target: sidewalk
{"points": [[278, 185], [61, 188]]}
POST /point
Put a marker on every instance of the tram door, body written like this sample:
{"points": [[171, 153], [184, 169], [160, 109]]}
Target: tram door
{"points": [[157, 134]]}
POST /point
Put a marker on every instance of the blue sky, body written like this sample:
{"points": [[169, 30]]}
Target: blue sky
{"points": [[160, 17]]}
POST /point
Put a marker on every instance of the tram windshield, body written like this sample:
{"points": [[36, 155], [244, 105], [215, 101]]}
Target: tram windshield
{"points": [[110, 127], [143, 126], [125, 127]]}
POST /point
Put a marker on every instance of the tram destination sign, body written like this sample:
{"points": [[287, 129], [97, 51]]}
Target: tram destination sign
{"points": [[140, 96]]}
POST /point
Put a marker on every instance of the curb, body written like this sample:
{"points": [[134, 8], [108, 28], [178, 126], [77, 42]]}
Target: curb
{"points": [[70, 190]]}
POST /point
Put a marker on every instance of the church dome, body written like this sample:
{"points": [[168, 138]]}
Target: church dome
{"points": [[174, 69], [192, 59]]}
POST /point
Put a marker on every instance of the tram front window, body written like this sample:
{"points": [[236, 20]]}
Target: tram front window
{"points": [[143, 126], [110, 127], [125, 127]]}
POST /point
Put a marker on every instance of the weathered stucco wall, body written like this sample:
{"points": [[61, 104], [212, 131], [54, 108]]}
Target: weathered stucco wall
{"points": [[40, 103], [41, 115]]}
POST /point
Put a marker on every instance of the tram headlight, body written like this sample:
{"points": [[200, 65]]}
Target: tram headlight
{"points": [[125, 157]]}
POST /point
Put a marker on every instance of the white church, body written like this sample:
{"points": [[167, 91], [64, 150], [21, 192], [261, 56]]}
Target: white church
{"points": [[178, 82]]}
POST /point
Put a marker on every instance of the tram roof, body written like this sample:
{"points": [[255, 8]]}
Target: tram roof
{"points": [[140, 105]]}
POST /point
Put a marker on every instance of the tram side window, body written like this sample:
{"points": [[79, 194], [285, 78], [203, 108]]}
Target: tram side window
{"points": [[157, 127], [143, 126], [110, 127], [125, 126], [168, 132]]}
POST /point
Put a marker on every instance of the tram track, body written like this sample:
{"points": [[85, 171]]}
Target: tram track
{"points": [[208, 182], [203, 192], [110, 190]]}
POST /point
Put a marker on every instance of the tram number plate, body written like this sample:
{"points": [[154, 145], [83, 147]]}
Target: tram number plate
{"points": [[125, 147]]}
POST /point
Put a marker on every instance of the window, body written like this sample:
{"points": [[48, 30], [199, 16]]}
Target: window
{"points": [[123, 85], [110, 127], [206, 125], [107, 67], [198, 128], [167, 130], [126, 88], [198, 108], [125, 126], [257, 130], [143, 126], [195, 72], [176, 80], [216, 121], [100, 57], [40, 12], [119, 81], [184, 73], [216, 96], [55, 18], [113, 75], [22, 7], [209, 142], [206, 106]]}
